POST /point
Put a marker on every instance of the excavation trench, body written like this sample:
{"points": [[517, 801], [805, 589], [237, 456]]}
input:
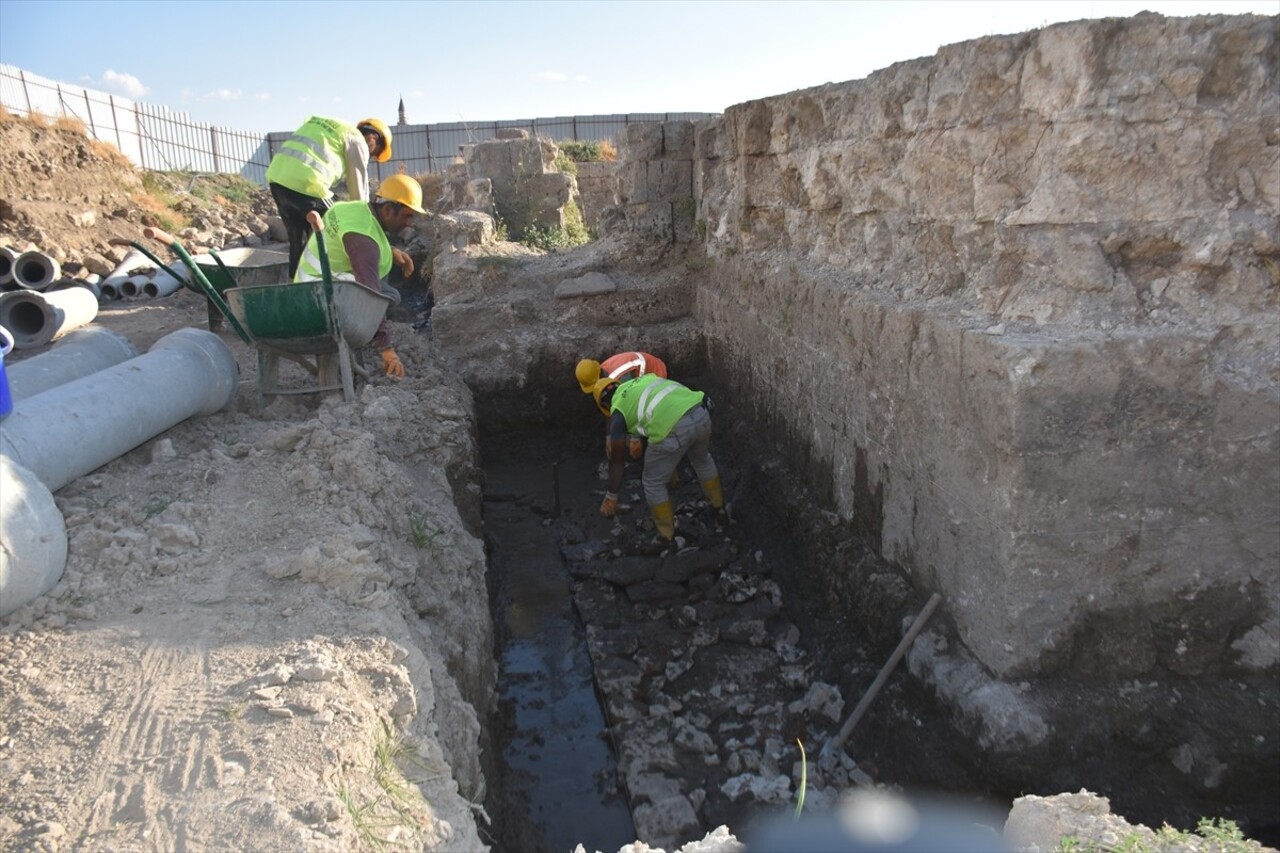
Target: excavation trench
{"points": [[657, 693]]}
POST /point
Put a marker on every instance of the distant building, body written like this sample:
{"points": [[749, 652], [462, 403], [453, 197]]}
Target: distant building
{"points": [[402, 121]]}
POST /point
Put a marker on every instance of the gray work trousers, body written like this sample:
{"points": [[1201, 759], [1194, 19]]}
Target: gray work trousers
{"points": [[691, 435]]}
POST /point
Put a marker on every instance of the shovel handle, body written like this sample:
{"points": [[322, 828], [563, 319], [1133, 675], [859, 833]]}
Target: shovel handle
{"points": [[314, 220]]}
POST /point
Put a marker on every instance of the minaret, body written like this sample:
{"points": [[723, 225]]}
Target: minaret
{"points": [[402, 121]]}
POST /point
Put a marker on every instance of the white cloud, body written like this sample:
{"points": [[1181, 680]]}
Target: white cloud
{"points": [[581, 78], [263, 96], [221, 95], [552, 76], [124, 84]]}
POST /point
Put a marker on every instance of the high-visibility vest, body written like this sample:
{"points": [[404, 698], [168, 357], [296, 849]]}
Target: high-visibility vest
{"points": [[313, 158], [629, 365], [652, 405], [345, 217]]}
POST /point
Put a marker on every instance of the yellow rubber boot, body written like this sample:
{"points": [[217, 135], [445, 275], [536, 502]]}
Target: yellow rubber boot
{"points": [[711, 488], [664, 519]]}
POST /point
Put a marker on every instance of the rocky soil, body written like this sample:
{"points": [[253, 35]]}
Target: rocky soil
{"points": [[272, 631]]}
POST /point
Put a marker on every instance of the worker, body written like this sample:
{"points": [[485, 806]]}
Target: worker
{"points": [[676, 422], [621, 366], [314, 158], [355, 235]]}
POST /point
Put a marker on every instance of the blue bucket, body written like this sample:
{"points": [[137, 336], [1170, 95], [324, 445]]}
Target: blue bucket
{"points": [[6, 347]]}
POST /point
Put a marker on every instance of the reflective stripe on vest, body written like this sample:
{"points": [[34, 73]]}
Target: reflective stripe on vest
{"points": [[345, 217], [638, 362], [652, 405], [313, 158]]}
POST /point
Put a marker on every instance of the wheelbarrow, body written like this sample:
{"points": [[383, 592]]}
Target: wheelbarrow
{"points": [[238, 268], [316, 324]]}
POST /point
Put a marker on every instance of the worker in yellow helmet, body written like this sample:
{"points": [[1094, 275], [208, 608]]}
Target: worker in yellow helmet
{"points": [[676, 423], [355, 235], [314, 158], [620, 366]]}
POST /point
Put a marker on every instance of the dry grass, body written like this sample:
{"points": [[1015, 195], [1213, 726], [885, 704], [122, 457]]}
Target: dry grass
{"points": [[608, 153], [432, 188]]}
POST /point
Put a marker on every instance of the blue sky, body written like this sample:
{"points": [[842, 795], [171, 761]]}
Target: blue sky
{"points": [[263, 65]]}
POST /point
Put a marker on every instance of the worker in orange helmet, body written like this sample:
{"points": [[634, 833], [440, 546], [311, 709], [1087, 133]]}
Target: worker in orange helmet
{"points": [[314, 158], [620, 366]]}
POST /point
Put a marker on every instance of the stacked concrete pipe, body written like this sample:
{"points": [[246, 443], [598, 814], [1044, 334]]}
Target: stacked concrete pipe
{"points": [[34, 270], [42, 444], [34, 319], [7, 257]]}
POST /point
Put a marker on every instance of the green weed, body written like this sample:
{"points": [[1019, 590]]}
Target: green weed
{"points": [[423, 537], [804, 780], [155, 506]]}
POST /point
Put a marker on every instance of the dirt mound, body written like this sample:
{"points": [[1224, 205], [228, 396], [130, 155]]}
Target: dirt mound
{"points": [[272, 629], [69, 196]]}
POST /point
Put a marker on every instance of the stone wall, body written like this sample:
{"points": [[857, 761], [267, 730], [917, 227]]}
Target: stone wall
{"points": [[1016, 304]]}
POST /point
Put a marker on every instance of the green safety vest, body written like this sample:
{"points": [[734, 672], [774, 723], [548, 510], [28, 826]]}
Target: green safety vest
{"points": [[313, 157], [345, 217], [652, 405]]}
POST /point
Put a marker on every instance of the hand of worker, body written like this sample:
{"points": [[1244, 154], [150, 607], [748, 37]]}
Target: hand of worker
{"points": [[610, 506], [403, 262], [635, 446], [391, 363]]}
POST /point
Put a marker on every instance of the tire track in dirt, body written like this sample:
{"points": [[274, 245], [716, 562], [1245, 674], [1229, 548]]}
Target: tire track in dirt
{"points": [[158, 750]]}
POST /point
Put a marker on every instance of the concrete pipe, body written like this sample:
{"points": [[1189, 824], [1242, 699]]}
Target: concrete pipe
{"points": [[34, 319], [90, 284], [35, 270], [163, 282], [186, 373], [131, 287], [79, 353], [7, 257], [33, 537], [107, 291]]}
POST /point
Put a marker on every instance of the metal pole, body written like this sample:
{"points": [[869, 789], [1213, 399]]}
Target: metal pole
{"points": [[838, 741]]}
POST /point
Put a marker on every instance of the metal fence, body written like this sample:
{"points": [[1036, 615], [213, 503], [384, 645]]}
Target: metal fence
{"points": [[155, 137]]}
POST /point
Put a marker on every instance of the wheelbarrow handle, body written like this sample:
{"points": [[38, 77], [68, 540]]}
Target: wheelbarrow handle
{"points": [[198, 275], [153, 233]]}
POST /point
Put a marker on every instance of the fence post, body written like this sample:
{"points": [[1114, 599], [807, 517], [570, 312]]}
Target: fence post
{"points": [[142, 148], [25, 94], [213, 141], [88, 109], [115, 122]]}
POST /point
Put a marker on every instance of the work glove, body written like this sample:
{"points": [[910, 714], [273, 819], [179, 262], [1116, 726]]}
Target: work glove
{"points": [[609, 508], [391, 364], [635, 446], [403, 262]]}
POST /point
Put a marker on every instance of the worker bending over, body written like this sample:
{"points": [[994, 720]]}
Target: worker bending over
{"points": [[675, 421], [355, 235], [314, 158], [621, 366]]}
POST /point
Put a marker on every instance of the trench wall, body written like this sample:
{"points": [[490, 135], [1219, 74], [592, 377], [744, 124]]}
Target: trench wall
{"points": [[1016, 307]]}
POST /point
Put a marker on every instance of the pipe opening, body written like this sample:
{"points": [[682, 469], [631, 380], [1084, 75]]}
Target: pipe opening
{"points": [[26, 318]]}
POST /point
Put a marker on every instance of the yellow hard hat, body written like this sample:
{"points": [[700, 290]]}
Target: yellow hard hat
{"points": [[380, 127], [587, 372], [598, 389], [402, 189]]}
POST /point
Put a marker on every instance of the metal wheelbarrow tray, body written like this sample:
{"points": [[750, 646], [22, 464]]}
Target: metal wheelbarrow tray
{"points": [[323, 320], [238, 267]]}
